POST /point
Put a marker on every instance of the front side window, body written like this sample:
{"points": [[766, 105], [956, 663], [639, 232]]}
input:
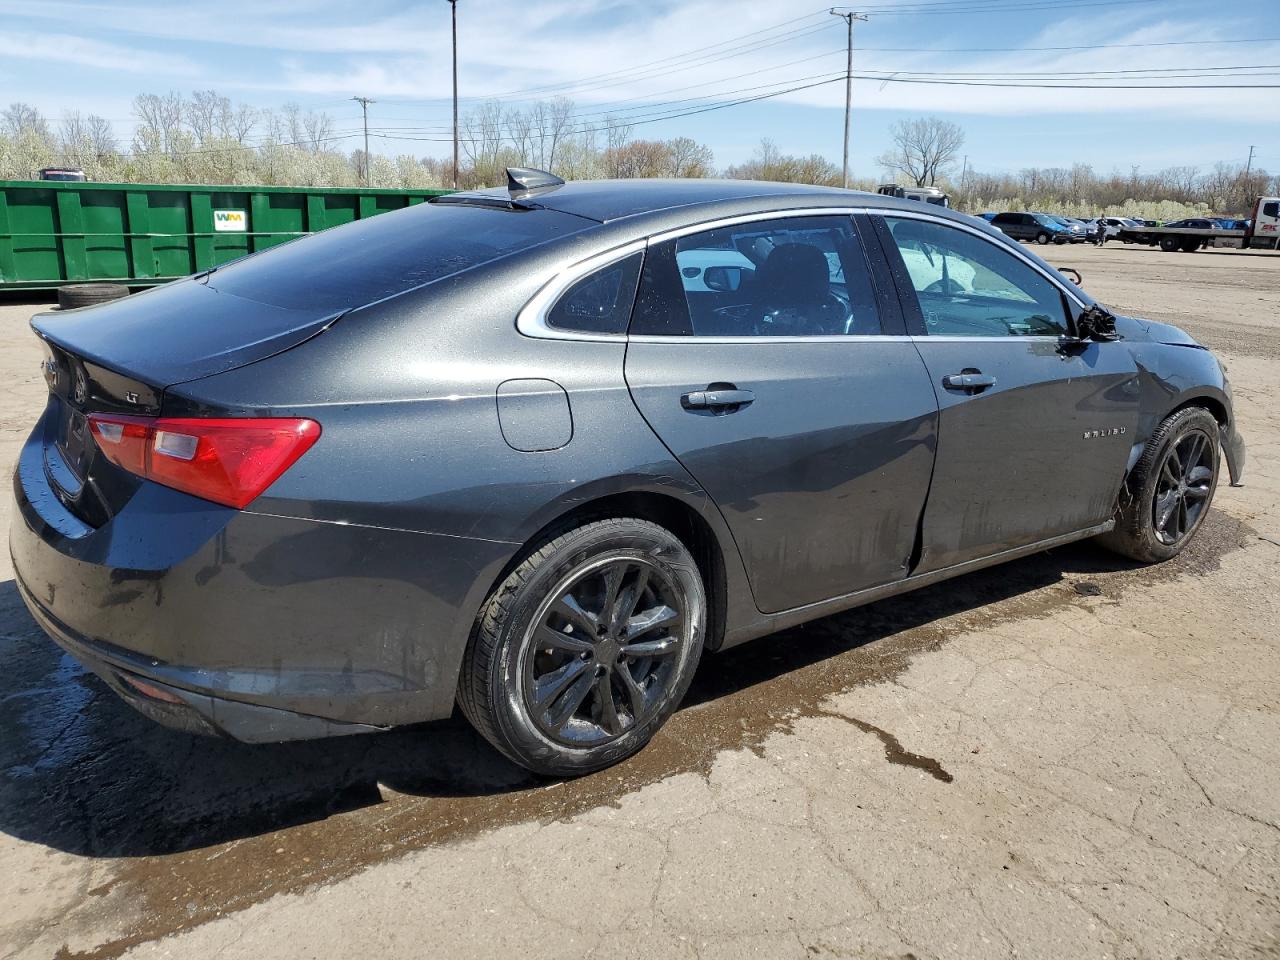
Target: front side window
{"points": [[969, 287], [601, 301], [795, 277], [1271, 209]]}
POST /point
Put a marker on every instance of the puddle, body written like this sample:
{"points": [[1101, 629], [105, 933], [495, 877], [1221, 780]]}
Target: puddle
{"points": [[200, 828]]}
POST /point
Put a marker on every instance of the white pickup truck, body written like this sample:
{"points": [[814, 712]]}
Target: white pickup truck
{"points": [[1262, 232]]}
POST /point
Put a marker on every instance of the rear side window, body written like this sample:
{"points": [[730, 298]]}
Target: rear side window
{"points": [[1005, 218], [601, 301], [364, 261]]}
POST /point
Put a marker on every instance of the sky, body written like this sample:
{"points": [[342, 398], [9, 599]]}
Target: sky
{"points": [[657, 61]]}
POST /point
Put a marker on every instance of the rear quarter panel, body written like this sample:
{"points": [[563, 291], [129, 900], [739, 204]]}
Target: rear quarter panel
{"points": [[406, 393]]}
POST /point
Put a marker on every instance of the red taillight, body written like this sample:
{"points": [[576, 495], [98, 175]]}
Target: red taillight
{"points": [[227, 461]]}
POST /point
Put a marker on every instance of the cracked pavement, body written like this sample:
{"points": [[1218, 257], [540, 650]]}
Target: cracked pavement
{"points": [[1064, 757]]}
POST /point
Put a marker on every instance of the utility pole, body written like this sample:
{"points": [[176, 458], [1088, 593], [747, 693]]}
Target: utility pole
{"points": [[964, 180], [454, 5], [364, 107], [848, 16], [1249, 166]]}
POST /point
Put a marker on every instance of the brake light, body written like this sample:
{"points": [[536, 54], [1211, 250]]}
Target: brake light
{"points": [[228, 461]]}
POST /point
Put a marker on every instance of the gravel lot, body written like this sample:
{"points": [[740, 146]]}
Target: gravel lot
{"points": [[1065, 757]]}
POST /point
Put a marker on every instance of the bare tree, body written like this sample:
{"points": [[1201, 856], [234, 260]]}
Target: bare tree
{"points": [[688, 158], [552, 122], [22, 120], [204, 112], [160, 120], [240, 122], [317, 129], [101, 136], [922, 149], [482, 138]]}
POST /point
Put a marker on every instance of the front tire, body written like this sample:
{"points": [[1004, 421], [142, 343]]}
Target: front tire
{"points": [[586, 648], [1042, 238], [1170, 489]]}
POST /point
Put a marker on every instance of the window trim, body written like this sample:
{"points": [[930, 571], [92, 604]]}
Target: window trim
{"points": [[531, 321]]}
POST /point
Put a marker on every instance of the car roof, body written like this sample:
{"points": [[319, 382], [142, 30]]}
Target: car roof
{"points": [[606, 201]]}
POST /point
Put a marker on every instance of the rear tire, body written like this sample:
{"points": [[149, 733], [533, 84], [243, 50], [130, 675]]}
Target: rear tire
{"points": [[1170, 244], [1170, 489], [586, 648], [87, 294]]}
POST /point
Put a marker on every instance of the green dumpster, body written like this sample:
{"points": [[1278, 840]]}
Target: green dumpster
{"points": [[140, 234]]}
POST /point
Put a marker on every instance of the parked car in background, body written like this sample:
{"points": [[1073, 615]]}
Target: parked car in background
{"points": [[1031, 227], [933, 195], [63, 174], [1079, 230], [1113, 225], [499, 450], [1194, 223]]}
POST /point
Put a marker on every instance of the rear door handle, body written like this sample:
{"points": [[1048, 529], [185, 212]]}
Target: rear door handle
{"points": [[972, 381], [716, 399]]}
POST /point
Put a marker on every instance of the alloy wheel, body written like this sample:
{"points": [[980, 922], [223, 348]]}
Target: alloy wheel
{"points": [[601, 653], [1183, 487]]}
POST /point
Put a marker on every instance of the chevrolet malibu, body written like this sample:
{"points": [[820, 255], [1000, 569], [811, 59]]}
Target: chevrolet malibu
{"points": [[532, 451]]}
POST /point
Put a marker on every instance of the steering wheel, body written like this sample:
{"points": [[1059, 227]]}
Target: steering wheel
{"points": [[831, 317]]}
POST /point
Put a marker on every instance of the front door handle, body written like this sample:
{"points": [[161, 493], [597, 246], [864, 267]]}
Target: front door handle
{"points": [[725, 399], [971, 381]]}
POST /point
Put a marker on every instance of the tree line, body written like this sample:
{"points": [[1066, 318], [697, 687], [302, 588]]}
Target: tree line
{"points": [[205, 138]]}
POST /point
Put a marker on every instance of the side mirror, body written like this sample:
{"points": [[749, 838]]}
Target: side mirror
{"points": [[1096, 323], [722, 279]]}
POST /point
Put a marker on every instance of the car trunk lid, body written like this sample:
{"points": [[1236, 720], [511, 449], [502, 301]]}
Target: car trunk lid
{"points": [[121, 356]]}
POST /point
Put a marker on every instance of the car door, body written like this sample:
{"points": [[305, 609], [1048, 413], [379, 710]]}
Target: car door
{"points": [[1035, 427], [783, 380]]}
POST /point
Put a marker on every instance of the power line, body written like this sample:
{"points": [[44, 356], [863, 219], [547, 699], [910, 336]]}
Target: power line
{"points": [[666, 115], [645, 105], [1087, 46]]}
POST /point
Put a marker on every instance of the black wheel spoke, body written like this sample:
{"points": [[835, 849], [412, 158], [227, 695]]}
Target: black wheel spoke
{"points": [[550, 685], [1169, 472], [635, 695], [652, 648], [1165, 507], [1194, 447], [635, 594], [569, 609], [571, 700], [1199, 476], [1197, 493], [552, 640], [1182, 516], [608, 709], [656, 618], [613, 577]]}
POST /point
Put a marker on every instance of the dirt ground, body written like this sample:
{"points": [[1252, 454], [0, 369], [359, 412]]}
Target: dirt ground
{"points": [[1064, 757]]}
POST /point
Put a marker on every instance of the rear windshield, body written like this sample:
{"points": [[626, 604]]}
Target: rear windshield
{"points": [[361, 262]]}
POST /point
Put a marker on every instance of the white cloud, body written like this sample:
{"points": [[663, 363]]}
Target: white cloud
{"points": [[65, 48]]}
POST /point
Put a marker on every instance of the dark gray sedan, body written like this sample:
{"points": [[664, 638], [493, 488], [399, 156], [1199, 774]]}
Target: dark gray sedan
{"points": [[534, 450]]}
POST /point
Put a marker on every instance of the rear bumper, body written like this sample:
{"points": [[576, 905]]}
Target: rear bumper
{"points": [[265, 627], [177, 707]]}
